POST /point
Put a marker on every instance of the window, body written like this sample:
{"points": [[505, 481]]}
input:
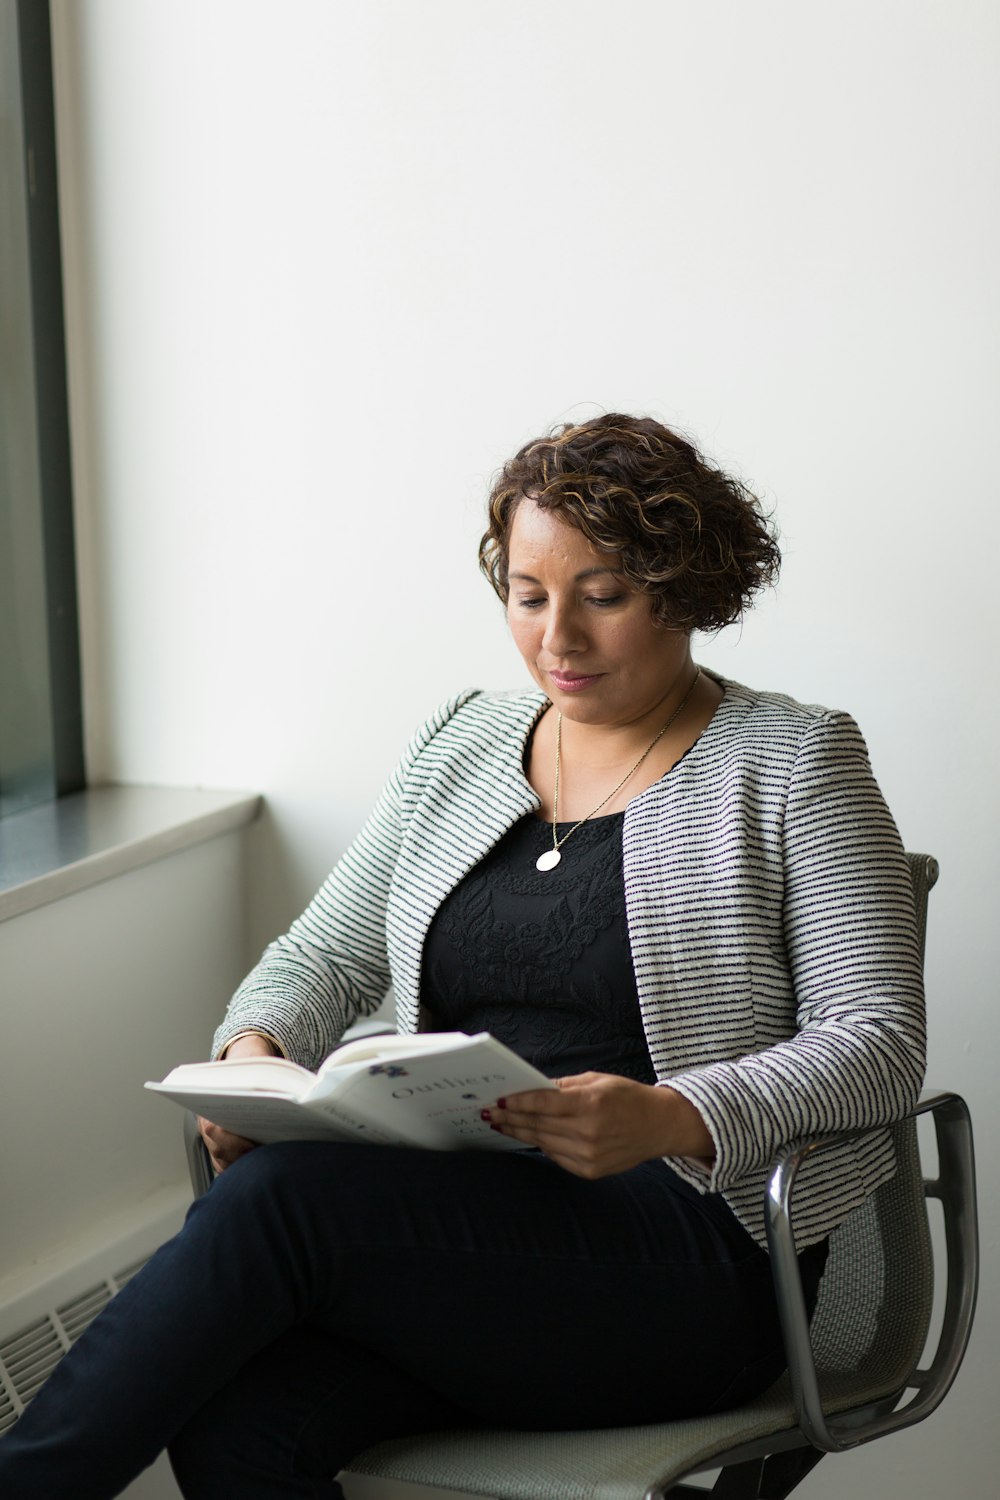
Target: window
{"points": [[41, 731]]}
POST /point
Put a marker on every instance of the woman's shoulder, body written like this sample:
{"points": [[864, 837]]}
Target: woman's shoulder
{"points": [[478, 721], [474, 709], [781, 725], [749, 705]]}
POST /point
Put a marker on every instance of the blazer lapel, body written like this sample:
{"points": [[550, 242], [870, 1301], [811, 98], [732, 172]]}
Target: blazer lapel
{"points": [[475, 800]]}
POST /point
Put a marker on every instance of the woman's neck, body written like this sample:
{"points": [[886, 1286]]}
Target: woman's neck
{"points": [[593, 757]]}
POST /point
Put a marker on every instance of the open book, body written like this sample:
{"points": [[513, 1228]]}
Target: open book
{"points": [[424, 1090]]}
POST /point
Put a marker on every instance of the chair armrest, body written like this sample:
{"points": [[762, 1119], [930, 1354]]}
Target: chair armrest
{"points": [[955, 1186], [199, 1163]]}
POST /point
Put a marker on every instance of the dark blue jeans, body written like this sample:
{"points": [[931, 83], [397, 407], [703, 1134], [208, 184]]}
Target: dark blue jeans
{"points": [[322, 1297]]}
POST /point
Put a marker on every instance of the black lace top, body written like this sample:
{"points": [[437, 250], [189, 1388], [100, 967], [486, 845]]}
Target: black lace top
{"points": [[542, 960]]}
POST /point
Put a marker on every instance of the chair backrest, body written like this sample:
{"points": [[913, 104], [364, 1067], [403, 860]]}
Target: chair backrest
{"points": [[869, 1328]]}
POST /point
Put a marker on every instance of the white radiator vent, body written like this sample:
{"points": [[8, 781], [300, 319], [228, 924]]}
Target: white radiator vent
{"points": [[28, 1356], [74, 1316], [122, 1276], [8, 1416]]}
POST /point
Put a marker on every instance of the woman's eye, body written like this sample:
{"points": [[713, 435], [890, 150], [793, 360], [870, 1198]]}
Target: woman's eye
{"points": [[601, 601]]}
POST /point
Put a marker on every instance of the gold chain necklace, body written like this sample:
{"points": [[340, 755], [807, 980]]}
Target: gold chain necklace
{"points": [[551, 857]]}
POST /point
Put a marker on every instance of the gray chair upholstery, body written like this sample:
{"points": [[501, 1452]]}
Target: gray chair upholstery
{"points": [[847, 1375]]}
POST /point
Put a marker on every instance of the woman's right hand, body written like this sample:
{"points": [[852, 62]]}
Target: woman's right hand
{"points": [[223, 1147]]}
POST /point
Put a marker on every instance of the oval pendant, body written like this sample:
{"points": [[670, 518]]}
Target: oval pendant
{"points": [[548, 860]]}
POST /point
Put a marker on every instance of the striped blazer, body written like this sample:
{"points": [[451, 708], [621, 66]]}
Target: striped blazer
{"points": [[770, 919]]}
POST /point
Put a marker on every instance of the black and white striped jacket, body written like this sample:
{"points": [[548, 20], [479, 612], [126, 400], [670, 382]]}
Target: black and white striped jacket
{"points": [[770, 919]]}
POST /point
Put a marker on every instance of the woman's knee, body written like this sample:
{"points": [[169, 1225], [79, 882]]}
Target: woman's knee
{"points": [[265, 1175]]}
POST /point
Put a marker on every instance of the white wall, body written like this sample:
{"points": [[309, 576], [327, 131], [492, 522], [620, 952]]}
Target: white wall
{"points": [[328, 264], [102, 990]]}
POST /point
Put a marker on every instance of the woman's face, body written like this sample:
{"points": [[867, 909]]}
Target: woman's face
{"points": [[587, 638]]}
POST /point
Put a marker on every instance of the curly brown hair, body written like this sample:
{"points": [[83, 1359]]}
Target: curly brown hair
{"points": [[691, 536]]}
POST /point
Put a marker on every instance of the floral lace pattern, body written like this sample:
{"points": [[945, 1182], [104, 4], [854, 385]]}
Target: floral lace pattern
{"points": [[542, 960]]}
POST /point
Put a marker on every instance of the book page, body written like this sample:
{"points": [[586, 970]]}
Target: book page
{"points": [[434, 1095], [263, 1117], [274, 1075], [391, 1044]]}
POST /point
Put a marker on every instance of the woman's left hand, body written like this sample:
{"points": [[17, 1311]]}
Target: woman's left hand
{"points": [[599, 1123]]}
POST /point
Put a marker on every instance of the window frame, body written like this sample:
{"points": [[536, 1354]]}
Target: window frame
{"points": [[48, 329]]}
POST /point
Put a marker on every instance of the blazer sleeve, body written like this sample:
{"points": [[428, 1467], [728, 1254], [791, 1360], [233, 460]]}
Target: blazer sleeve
{"points": [[332, 965], [857, 1056]]}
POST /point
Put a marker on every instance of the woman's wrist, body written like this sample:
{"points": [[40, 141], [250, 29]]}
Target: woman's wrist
{"points": [[251, 1044], [684, 1132]]}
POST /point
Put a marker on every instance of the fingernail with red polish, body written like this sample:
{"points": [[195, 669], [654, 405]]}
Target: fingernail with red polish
{"points": [[501, 1104], [484, 1114]]}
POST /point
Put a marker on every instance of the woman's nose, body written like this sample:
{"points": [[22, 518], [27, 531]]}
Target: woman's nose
{"points": [[563, 632]]}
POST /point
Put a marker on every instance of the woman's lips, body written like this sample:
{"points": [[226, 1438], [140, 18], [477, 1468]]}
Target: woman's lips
{"points": [[568, 682]]}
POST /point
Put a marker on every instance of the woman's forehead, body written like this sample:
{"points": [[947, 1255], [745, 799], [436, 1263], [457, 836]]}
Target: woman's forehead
{"points": [[540, 536]]}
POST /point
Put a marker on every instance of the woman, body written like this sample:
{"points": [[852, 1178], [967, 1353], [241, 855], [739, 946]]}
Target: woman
{"points": [[683, 899]]}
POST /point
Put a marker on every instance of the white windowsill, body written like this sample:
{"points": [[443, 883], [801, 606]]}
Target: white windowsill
{"points": [[51, 851]]}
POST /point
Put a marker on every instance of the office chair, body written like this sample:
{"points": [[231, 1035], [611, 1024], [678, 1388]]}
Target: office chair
{"points": [[848, 1372]]}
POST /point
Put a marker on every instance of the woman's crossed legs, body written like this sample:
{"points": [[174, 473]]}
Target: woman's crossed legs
{"points": [[323, 1297]]}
